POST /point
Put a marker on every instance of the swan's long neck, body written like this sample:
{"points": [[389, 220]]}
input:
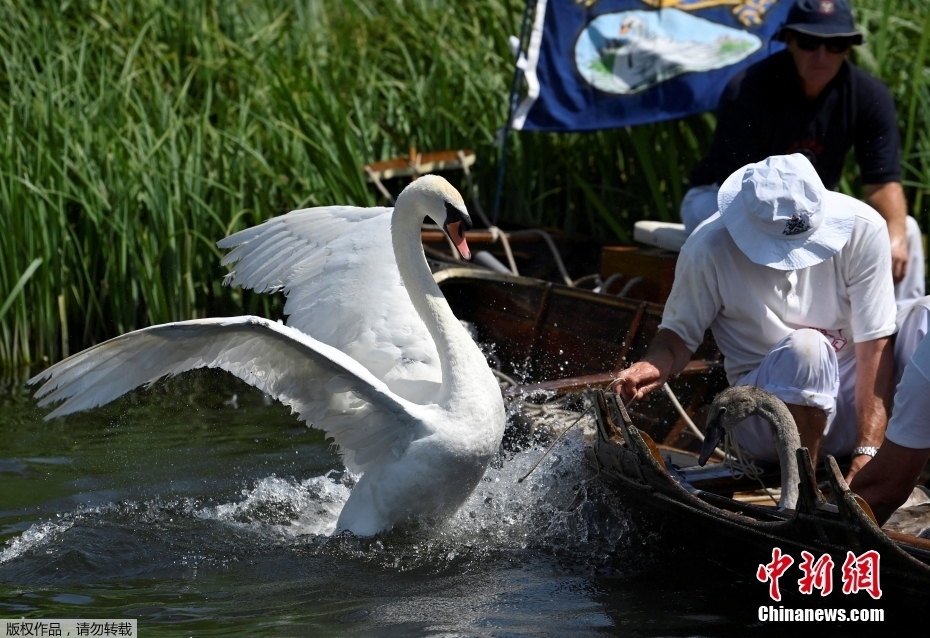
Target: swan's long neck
{"points": [[787, 441], [454, 346]]}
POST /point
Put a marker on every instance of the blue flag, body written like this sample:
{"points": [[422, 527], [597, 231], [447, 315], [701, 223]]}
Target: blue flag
{"points": [[596, 64]]}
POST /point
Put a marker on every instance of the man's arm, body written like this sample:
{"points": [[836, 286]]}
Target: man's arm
{"points": [[667, 355], [888, 479], [888, 200], [874, 392]]}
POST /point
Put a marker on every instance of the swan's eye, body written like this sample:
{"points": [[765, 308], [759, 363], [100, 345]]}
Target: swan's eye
{"points": [[456, 214]]}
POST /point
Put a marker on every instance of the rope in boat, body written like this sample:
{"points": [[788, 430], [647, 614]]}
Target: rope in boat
{"points": [[503, 377], [559, 437], [687, 419], [498, 235], [553, 444], [740, 466], [733, 455], [553, 407]]}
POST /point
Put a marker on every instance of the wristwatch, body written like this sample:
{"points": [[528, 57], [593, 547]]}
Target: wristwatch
{"points": [[868, 450]]}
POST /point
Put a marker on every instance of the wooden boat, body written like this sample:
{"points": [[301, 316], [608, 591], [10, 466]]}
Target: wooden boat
{"points": [[547, 254], [699, 503], [553, 338], [638, 272]]}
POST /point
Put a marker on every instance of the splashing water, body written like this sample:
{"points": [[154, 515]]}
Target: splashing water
{"points": [[556, 506], [221, 521], [556, 510], [310, 507], [34, 537]]}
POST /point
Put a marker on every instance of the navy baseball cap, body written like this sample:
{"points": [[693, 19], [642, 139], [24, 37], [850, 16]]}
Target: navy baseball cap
{"points": [[822, 18]]}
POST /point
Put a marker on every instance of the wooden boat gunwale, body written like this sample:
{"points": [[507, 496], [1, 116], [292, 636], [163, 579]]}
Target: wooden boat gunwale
{"points": [[548, 289], [627, 461]]}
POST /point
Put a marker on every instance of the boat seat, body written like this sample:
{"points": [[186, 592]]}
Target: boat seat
{"points": [[660, 234]]}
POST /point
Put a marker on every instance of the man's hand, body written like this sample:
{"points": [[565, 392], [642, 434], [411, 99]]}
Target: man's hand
{"points": [[667, 355], [899, 254], [638, 380], [888, 200], [858, 462]]}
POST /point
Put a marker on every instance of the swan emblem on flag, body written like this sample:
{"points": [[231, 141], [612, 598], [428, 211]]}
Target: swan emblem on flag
{"points": [[630, 51]]}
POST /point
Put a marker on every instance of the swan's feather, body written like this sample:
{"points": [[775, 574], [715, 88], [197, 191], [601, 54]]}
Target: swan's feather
{"points": [[324, 386], [336, 266], [354, 350]]}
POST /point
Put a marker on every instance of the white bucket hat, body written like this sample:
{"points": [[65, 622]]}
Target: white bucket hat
{"points": [[780, 215]]}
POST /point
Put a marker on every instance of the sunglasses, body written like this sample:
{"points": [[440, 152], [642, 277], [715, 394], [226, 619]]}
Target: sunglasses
{"points": [[812, 43]]}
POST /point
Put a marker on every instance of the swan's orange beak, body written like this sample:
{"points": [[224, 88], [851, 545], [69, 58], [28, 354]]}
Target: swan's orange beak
{"points": [[458, 238]]}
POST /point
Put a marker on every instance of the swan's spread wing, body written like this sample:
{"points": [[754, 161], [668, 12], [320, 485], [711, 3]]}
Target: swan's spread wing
{"points": [[289, 240], [336, 265], [324, 386]]}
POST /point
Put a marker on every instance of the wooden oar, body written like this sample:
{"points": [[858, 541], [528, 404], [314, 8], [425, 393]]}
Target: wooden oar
{"points": [[594, 381]]}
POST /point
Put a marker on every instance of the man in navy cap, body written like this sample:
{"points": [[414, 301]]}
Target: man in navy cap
{"points": [[811, 99]]}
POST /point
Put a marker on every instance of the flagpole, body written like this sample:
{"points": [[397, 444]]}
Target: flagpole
{"points": [[512, 106]]}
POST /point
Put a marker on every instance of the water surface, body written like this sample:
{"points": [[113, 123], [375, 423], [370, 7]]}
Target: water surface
{"points": [[203, 515]]}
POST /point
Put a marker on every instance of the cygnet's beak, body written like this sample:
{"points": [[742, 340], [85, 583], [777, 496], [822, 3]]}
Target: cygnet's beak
{"points": [[458, 238], [713, 432]]}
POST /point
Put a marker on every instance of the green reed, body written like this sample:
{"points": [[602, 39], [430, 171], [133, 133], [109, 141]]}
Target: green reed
{"points": [[138, 132], [896, 50]]}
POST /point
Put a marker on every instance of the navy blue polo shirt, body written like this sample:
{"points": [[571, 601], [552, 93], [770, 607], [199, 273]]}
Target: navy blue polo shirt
{"points": [[764, 112]]}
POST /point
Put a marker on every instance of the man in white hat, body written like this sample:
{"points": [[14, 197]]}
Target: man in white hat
{"points": [[795, 282], [810, 98]]}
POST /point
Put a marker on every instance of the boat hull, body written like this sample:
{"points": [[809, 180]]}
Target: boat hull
{"points": [[741, 537]]}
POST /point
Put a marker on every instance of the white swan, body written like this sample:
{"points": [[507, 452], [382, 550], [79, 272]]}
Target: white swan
{"points": [[372, 353], [735, 404]]}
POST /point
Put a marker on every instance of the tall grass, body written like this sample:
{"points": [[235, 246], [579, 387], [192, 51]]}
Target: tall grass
{"points": [[897, 52], [137, 132]]}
